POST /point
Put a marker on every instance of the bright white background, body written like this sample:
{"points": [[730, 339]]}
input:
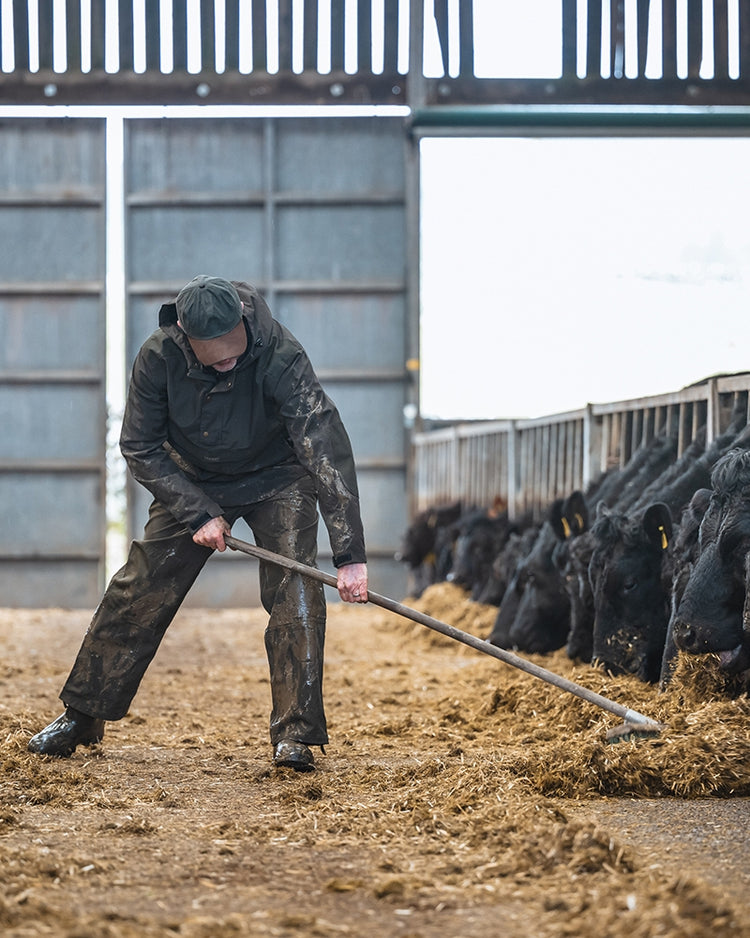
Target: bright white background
{"points": [[557, 272]]}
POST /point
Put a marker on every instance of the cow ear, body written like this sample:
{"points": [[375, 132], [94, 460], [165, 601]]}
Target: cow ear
{"points": [[657, 523], [558, 521], [576, 512]]}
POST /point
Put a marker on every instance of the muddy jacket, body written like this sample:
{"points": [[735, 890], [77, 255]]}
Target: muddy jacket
{"points": [[201, 441]]}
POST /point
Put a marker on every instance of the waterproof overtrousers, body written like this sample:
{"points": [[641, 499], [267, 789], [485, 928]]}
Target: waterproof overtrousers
{"points": [[144, 595]]}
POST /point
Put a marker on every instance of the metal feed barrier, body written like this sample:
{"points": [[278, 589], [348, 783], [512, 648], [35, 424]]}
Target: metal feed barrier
{"points": [[531, 462]]}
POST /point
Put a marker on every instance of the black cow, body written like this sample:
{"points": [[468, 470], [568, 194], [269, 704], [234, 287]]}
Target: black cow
{"points": [[420, 542], [481, 536], [445, 548], [630, 595], [618, 488], [684, 555], [534, 614], [631, 571], [504, 565], [548, 601], [713, 613], [571, 557]]}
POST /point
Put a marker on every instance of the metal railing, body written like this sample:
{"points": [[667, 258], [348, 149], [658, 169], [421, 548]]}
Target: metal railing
{"points": [[531, 462], [368, 51]]}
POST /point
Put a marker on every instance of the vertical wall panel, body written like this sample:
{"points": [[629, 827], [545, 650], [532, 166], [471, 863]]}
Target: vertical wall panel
{"points": [[52, 362], [313, 211]]}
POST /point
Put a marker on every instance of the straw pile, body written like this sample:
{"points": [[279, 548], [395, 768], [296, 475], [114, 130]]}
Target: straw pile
{"points": [[704, 750], [452, 800]]}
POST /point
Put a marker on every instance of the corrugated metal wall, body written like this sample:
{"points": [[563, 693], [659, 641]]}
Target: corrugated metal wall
{"points": [[52, 360], [313, 211]]}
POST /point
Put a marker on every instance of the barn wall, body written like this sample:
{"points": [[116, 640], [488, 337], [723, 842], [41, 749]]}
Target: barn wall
{"points": [[52, 360], [314, 212]]}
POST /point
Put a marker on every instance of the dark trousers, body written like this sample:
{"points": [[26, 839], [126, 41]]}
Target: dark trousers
{"points": [[144, 595]]}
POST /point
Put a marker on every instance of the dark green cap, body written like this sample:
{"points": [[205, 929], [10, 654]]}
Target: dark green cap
{"points": [[208, 307]]}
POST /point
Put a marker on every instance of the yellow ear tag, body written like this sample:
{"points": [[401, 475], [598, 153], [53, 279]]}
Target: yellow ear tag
{"points": [[579, 521], [565, 527], [664, 541]]}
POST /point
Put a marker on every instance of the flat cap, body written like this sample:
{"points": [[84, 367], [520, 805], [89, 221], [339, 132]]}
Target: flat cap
{"points": [[208, 307]]}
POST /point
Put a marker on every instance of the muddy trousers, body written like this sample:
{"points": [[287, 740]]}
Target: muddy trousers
{"points": [[144, 595]]}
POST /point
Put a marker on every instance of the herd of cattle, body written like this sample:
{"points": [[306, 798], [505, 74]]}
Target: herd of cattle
{"points": [[651, 559]]}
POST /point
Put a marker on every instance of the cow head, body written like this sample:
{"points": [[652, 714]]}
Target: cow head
{"points": [[422, 543], [504, 566], [480, 538], [572, 557], [631, 600], [713, 615], [534, 613], [684, 554]]}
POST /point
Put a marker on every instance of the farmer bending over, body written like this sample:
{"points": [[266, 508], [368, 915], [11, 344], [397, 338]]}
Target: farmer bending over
{"points": [[225, 419]]}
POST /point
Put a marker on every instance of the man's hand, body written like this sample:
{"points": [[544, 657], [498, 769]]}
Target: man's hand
{"points": [[351, 582], [212, 533]]}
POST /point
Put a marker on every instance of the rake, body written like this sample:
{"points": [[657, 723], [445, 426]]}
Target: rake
{"points": [[635, 724]]}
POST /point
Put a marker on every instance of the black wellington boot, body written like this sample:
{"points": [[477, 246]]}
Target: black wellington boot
{"points": [[293, 755], [69, 730]]}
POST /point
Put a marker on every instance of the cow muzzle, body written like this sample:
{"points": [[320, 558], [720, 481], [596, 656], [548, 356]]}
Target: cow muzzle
{"points": [[688, 638]]}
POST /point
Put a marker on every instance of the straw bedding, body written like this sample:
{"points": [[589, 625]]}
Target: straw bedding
{"points": [[458, 797]]}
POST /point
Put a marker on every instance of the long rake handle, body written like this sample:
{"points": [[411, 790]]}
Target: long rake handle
{"points": [[515, 661]]}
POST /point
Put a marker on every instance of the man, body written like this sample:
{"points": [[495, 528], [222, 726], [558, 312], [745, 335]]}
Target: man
{"points": [[225, 419]]}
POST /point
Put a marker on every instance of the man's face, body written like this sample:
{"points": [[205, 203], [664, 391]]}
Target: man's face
{"points": [[222, 353]]}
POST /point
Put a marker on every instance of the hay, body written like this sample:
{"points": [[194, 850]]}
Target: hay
{"points": [[450, 603], [555, 742], [449, 802]]}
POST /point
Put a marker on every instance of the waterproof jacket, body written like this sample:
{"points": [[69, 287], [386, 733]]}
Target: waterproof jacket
{"points": [[201, 441]]}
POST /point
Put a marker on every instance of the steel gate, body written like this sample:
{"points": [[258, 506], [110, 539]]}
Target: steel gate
{"points": [[313, 211], [52, 361]]}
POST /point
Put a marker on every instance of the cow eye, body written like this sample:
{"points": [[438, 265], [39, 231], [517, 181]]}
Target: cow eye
{"points": [[629, 585]]}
